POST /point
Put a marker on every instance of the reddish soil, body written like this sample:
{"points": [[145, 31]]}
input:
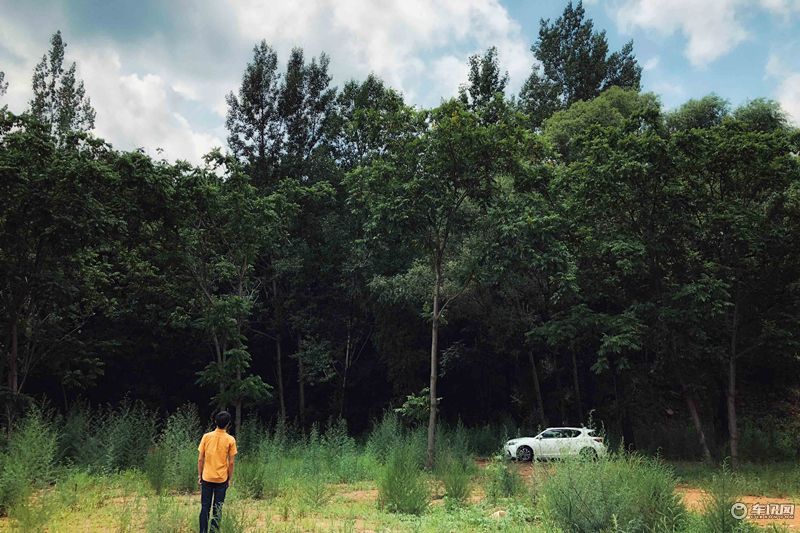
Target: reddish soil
{"points": [[696, 499]]}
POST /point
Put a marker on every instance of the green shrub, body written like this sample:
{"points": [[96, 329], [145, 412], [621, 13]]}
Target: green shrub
{"points": [[78, 490], [124, 436], [29, 459], [155, 468], [455, 474], [402, 488], [384, 437], [723, 492], [502, 480], [179, 441], [31, 515], [626, 493], [166, 515]]}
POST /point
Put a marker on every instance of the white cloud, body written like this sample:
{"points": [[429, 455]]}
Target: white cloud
{"points": [[712, 27], [651, 63], [167, 88], [788, 94], [403, 41], [137, 110], [781, 7]]}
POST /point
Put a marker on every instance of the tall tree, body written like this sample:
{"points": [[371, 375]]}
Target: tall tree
{"points": [[56, 228], [573, 63], [485, 83], [228, 225], [3, 83], [255, 134], [432, 187], [59, 98]]}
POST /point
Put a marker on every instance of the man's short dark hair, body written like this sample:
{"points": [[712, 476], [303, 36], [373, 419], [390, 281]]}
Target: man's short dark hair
{"points": [[222, 419]]}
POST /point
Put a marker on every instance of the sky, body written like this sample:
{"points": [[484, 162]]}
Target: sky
{"points": [[157, 72]]}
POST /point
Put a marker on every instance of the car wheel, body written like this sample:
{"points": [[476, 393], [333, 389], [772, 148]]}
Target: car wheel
{"points": [[589, 454], [524, 453]]}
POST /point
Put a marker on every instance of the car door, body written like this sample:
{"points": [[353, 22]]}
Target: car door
{"points": [[572, 441], [548, 443]]}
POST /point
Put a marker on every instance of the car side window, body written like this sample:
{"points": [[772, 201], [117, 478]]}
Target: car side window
{"points": [[572, 433], [550, 434]]}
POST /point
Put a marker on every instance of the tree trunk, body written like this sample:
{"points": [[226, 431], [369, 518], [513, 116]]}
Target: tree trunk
{"points": [[237, 422], [576, 384], [537, 390], [301, 381], [562, 408], [730, 397], [279, 372], [730, 393], [13, 375], [698, 425], [434, 371], [278, 353], [347, 358]]}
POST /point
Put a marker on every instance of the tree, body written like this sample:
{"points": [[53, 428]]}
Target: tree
{"points": [[740, 172], [56, 227], [229, 227], [574, 64], [255, 135], [3, 83], [485, 85], [59, 98], [432, 187]]}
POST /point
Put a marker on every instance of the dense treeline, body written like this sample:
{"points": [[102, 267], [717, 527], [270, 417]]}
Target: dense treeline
{"points": [[577, 253]]}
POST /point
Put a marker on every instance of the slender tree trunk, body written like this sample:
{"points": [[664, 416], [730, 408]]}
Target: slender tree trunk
{"points": [[562, 408], [279, 372], [237, 423], [301, 381], [434, 370], [731, 403], [278, 353], [347, 357], [691, 405], [730, 394], [537, 390], [13, 375], [576, 384]]}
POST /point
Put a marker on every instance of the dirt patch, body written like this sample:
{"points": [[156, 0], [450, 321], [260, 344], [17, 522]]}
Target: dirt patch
{"points": [[757, 507], [367, 495]]}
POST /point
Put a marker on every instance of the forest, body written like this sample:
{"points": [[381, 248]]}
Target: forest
{"points": [[575, 254]]}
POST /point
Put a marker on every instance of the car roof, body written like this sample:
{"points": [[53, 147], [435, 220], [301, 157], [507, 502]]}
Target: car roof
{"points": [[568, 427]]}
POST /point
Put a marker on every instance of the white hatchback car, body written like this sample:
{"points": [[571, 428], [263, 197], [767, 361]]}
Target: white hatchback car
{"points": [[556, 443]]}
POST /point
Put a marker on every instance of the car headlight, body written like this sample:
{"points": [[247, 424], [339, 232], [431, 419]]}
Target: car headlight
{"points": [[511, 443]]}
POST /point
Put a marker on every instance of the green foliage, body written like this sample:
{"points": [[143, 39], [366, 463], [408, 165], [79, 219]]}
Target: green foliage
{"points": [[455, 472], [402, 487], [628, 493], [573, 64], [28, 461], [164, 514], [155, 467], [385, 434], [502, 480]]}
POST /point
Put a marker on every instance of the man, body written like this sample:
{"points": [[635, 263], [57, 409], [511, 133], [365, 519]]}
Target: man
{"points": [[215, 470]]}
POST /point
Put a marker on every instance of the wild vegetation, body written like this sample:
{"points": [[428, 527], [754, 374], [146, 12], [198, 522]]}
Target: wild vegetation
{"points": [[574, 255]]}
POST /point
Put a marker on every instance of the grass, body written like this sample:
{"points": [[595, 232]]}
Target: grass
{"points": [[781, 479], [324, 480], [126, 502]]}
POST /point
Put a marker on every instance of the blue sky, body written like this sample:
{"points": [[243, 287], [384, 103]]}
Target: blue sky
{"points": [[158, 72]]}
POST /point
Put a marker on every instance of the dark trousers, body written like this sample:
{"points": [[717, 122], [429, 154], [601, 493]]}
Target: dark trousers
{"points": [[212, 495]]}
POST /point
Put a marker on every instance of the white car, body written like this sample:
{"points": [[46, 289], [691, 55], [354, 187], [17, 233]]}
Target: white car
{"points": [[556, 443]]}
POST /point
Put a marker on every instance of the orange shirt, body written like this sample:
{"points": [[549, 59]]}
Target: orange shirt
{"points": [[217, 446]]}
